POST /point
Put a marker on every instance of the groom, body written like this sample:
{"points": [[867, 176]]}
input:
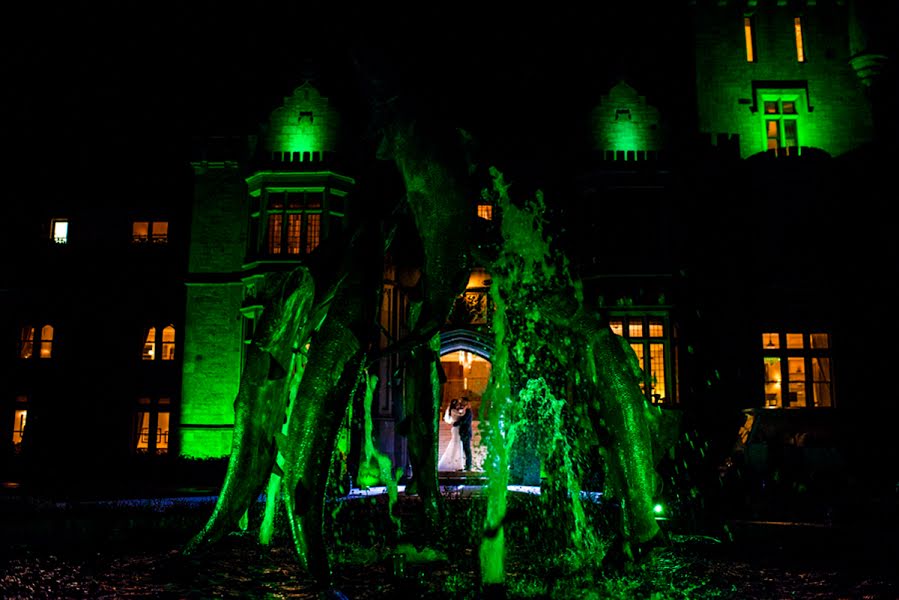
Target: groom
{"points": [[464, 425]]}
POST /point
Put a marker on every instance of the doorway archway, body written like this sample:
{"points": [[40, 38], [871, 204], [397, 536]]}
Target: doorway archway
{"points": [[465, 358]]}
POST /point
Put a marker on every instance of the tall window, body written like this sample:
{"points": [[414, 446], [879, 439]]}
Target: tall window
{"points": [[156, 232], [159, 344], [293, 223], [781, 129], [39, 340], [151, 431], [798, 370], [59, 231], [800, 44], [648, 337], [749, 34], [20, 415]]}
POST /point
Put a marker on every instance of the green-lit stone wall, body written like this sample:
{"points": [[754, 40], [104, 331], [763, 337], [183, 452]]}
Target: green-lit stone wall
{"points": [[212, 357], [213, 334], [305, 123], [624, 121], [833, 111], [219, 220]]}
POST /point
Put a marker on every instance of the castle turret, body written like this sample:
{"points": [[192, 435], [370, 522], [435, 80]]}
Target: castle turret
{"points": [[262, 207]]}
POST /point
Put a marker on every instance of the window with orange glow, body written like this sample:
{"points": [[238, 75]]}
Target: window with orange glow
{"points": [[168, 343], [19, 426], [485, 211], [31, 338], [293, 226], [274, 234], [20, 418], [781, 125], [773, 379], [156, 232], [648, 338], [800, 44], [617, 326], [149, 352], [313, 231], [798, 370], [26, 342], [46, 341], [151, 425], [159, 344], [749, 34]]}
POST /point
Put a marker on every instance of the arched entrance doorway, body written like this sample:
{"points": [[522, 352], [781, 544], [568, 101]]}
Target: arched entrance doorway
{"points": [[465, 358]]}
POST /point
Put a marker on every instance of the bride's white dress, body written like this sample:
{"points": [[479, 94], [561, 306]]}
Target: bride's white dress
{"points": [[453, 458]]}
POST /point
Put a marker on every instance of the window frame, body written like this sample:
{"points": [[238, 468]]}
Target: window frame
{"points": [[59, 241], [749, 36], [777, 348], [325, 219], [152, 406], [159, 343], [37, 342], [302, 213], [783, 118], [669, 398], [21, 405], [799, 36], [151, 238]]}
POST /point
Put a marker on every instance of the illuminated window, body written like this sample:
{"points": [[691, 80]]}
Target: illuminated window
{"points": [[781, 129], [648, 337], [41, 339], [617, 326], [149, 352], [313, 231], [293, 223], [485, 211], [168, 343], [798, 370], [20, 415], [26, 342], [59, 231], [800, 45], [749, 34], [151, 425], [159, 346], [274, 234], [46, 341], [156, 232]]}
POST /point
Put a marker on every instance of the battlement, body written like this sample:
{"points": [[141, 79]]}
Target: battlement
{"points": [[628, 155], [753, 5]]}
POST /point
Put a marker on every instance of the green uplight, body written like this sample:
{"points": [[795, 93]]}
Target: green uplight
{"points": [[658, 509], [305, 123], [623, 121]]}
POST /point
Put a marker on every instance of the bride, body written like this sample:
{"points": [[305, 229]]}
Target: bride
{"points": [[453, 458]]}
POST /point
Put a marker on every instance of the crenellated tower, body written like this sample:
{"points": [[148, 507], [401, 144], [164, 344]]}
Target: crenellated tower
{"points": [[262, 204]]}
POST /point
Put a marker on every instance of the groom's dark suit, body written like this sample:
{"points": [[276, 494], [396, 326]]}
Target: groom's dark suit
{"points": [[464, 425]]}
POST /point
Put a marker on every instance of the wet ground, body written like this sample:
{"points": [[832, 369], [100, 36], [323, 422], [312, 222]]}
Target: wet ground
{"points": [[132, 551]]}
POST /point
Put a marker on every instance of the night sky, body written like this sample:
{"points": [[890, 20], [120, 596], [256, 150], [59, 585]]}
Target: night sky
{"points": [[124, 91], [91, 87]]}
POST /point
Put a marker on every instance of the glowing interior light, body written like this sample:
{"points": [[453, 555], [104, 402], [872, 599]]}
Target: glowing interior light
{"points": [[750, 47], [800, 50], [60, 231], [658, 509]]}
